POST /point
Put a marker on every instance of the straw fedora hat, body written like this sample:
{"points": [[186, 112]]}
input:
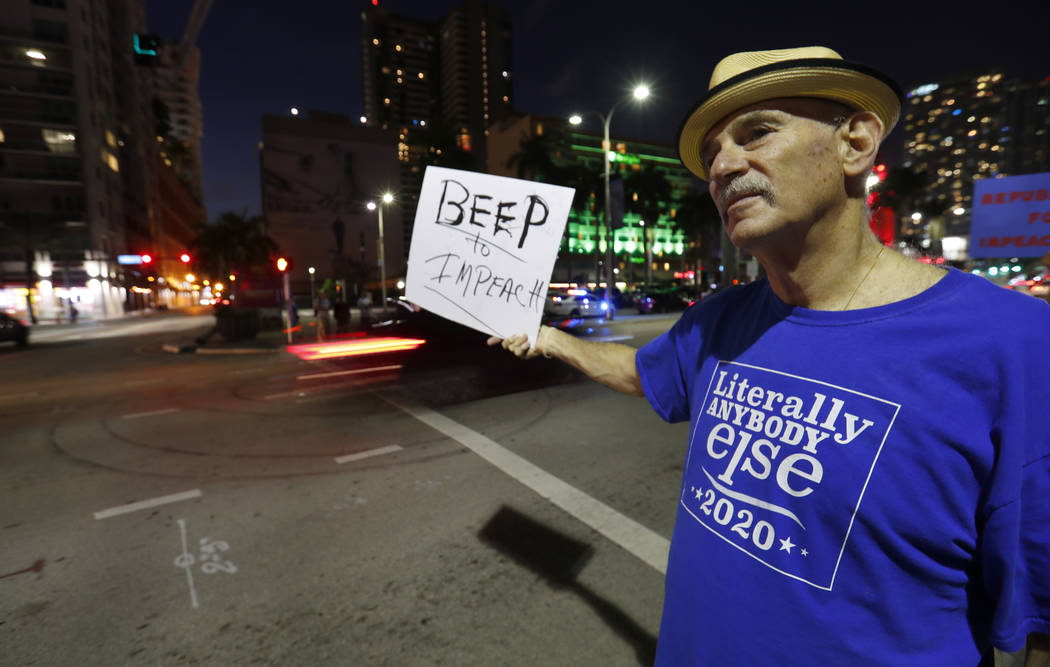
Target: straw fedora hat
{"points": [[810, 71]]}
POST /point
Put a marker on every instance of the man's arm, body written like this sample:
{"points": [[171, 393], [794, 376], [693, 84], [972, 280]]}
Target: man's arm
{"points": [[611, 364]]}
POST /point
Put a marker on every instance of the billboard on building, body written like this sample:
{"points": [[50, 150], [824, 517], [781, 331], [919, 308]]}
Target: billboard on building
{"points": [[1011, 216]]}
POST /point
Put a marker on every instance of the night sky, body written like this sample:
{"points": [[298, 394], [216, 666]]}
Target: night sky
{"points": [[266, 56]]}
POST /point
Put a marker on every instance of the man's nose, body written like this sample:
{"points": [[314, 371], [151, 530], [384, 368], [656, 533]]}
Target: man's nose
{"points": [[727, 165]]}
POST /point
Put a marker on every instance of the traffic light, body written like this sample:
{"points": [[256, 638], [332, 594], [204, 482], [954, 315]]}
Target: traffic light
{"points": [[283, 264], [184, 258], [146, 258]]}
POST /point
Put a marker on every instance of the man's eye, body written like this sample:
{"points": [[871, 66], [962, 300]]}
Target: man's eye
{"points": [[758, 133]]}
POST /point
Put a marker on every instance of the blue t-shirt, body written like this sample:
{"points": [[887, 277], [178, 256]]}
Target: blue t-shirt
{"points": [[861, 487]]}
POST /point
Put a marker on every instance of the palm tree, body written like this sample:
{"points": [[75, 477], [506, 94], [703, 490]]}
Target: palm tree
{"points": [[233, 243], [535, 157], [647, 192]]}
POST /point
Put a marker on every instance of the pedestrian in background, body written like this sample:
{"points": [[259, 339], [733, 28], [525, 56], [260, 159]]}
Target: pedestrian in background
{"points": [[868, 470], [341, 313], [364, 304], [321, 307]]}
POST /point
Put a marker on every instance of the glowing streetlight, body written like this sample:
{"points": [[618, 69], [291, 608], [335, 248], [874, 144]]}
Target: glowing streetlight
{"points": [[36, 54], [295, 111], [639, 93]]}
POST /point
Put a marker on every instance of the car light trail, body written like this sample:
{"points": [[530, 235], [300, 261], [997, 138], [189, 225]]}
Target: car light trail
{"points": [[337, 349]]}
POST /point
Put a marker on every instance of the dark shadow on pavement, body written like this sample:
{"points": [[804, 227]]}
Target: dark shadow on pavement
{"points": [[559, 559]]}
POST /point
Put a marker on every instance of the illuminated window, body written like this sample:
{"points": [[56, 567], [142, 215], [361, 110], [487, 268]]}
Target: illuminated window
{"points": [[420, 75], [1, 135], [59, 141], [110, 160], [111, 139], [375, 41], [386, 101], [398, 48]]}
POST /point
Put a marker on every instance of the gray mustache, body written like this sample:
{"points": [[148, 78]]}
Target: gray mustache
{"points": [[748, 184]]}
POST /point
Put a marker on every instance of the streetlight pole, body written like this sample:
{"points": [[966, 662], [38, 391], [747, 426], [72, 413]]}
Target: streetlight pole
{"points": [[313, 294], [385, 199], [639, 93]]}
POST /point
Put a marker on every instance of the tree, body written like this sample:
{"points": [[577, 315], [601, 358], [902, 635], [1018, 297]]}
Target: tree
{"points": [[647, 193], [698, 219], [535, 157], [232, 243]]}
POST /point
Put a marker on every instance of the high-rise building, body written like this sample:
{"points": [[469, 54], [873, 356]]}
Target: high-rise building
{"points": [[968, 128], [399, 58], [1026, 134], [78, 180], [953, 133], [437, 85], [176, 78], [476, 69]]}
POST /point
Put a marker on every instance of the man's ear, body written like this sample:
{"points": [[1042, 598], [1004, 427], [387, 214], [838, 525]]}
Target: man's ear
{"points": [[862, 133]]}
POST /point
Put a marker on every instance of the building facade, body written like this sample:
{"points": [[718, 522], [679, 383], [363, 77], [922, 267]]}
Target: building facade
{"points": [[78, 183], [319, 172]]}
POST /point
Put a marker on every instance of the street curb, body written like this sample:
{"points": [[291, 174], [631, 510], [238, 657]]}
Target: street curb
{"points": [[236, 350]]}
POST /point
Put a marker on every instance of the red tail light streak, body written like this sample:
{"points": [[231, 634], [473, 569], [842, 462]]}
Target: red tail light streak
{"points": [[353, 348]]}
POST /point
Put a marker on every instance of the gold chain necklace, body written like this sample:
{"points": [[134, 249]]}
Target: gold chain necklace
{"points": [[854, 292]]}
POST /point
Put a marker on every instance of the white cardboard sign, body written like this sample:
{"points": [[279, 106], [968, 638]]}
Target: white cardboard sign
{"points": [[483, 249]]}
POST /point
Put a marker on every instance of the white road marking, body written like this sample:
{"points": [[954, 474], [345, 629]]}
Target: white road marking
{"points": [[389, 449], [314, 376], [146, 504], [186, 561], [645, 544], [136, 415]]}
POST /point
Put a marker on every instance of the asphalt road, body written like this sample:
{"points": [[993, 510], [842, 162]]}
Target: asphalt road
{"points": [[162, 509]]}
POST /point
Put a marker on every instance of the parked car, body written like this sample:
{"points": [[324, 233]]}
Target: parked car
{"points": [[663, 301], [575, 303], [14, 330]]}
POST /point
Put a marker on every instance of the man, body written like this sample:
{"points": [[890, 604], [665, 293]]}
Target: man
{"points": [[321, 307], [868, 472]]}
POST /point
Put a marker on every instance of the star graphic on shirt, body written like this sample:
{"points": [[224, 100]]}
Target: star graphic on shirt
{"points": [[786, 544], [805, 553], [699, 495]]}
